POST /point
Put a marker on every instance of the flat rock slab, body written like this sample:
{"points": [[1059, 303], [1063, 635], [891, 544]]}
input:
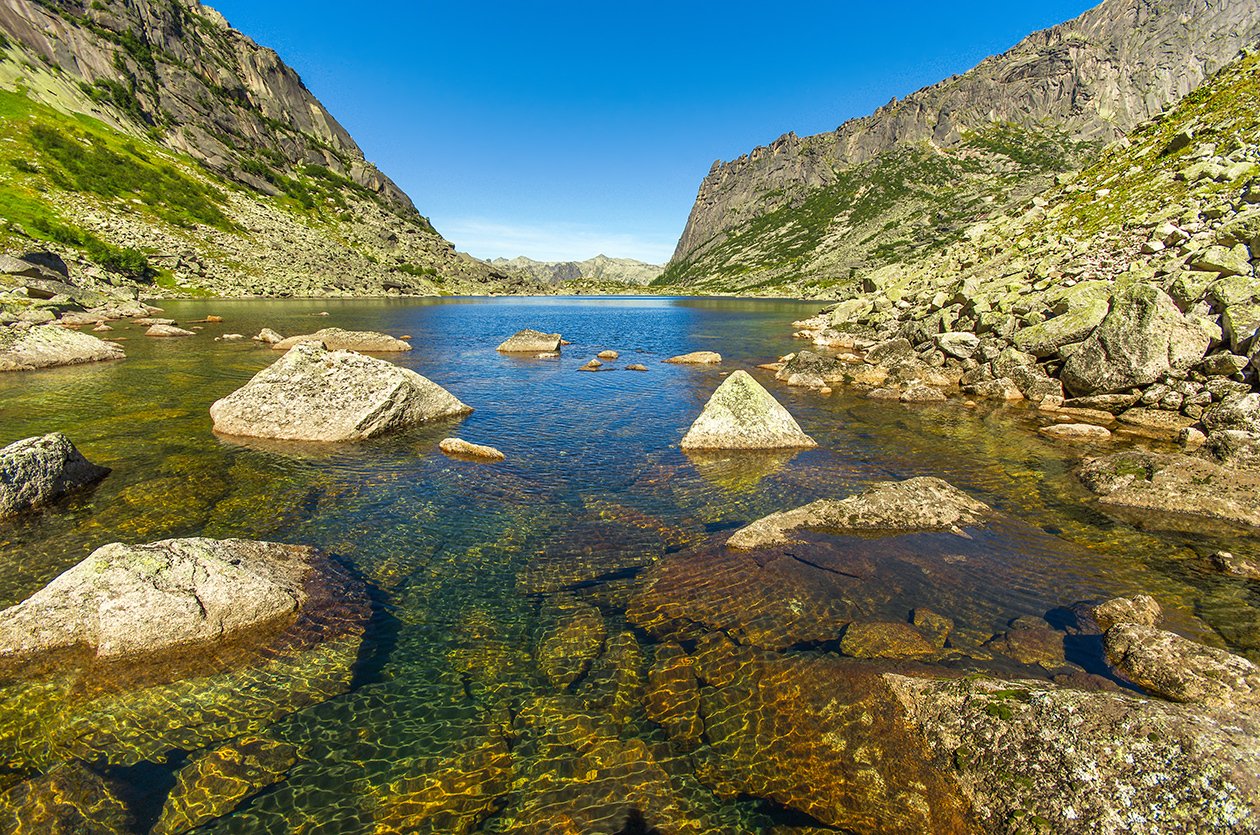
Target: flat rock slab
{"points": [[917, 504], [128, 600], [313, 394], [336, 339], [1174, 492], [167, 331], [39, 470], [1176, 668], [52, 345], [742, 415], [696, 358], [530, 342], [1076, 431]]}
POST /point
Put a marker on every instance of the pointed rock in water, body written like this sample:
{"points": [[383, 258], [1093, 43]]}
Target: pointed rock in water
{"points": [[36, 471], [128, 600], [743, 415], [530, 342], [313, 394], [336, 339], [52, 345], [916, 504]]}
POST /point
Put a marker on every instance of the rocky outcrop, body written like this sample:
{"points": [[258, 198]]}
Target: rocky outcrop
{"points": [[917, 504], [132, 600], [313, 394], [1092, 78], [741, 414], [25, 349], [336, 339], [39, 470], [530, 341]]}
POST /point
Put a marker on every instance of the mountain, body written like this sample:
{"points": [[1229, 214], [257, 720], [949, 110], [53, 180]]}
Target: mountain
{"points": [[805, 214], [601, 268], [152, 127]]}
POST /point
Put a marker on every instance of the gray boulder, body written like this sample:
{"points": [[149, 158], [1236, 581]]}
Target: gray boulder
{"points": [[1141, 609], [958, 344], [886, 352], [313, 394], [1143, 337], [126, 600], [1237, 411], [36, 471], [268, 336], [52, 345], [743, 415], [810, 369], [916, 504], [1046, 338], [530, 342], [1178, 669], [336, 339]]}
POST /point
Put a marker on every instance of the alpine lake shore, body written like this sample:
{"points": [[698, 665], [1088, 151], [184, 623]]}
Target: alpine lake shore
{"points": [[649, 598]]}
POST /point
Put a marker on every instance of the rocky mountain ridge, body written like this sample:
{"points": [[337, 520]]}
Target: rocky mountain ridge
{"points": [[600, 268], [151, 145], [805, 212]]}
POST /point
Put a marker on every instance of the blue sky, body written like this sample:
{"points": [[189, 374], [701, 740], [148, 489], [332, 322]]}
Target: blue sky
{"points": [[563, 130]]}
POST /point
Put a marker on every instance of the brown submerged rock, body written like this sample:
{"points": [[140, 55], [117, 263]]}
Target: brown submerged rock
{"points": [[70, 799], [917, 504], [215, 783], [336, 339], [885, 640], [570, 638]]}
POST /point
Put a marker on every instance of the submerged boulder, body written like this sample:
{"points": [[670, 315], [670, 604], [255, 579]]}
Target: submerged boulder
{"points": [[128, 600], [916, 504], [743, 415], [39, 470], [336, 339], [52, 345], [313, 394], [215, 783], [530, 341]]}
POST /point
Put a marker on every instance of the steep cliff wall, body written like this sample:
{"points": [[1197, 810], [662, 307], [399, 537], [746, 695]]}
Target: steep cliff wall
{"points": [[1068, 88]]}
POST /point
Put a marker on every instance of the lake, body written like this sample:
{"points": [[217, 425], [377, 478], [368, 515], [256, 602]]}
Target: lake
{"points": [[501, 682]]}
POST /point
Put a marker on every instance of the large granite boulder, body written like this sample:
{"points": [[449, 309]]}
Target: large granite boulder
{"points": [[52, 345], [743, 415], [530, 341], [1033, 756], [1178, 669], [313, 394], [810, 369], [916, 504], [336, 339], [39, 470], [1046, 338], [1143, 337], [130, 600]]}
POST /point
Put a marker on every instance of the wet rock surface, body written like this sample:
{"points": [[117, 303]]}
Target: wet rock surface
{"points": [[530, 342], [313, 394], [696, 358], [36, 471], [460, 447], [917, 504], [741, 414], [1172, 667], [70, 799], [216, 782]]}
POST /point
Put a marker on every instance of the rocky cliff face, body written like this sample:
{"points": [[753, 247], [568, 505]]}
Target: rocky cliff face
{"points": [[206, 166], [1037, 109], [176, 70], [601, 268]]}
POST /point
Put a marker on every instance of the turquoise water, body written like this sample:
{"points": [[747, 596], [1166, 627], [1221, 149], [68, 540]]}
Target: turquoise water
{"points": [[508, 598]]}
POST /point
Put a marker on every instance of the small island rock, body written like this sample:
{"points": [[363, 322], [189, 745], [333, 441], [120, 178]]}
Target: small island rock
{"points": [[52, 345], [530, 342], [313, 394], [38, 470], [336, 339], [167, 330], [741, 414], [696, 358], [460, 447], [268, 336]]}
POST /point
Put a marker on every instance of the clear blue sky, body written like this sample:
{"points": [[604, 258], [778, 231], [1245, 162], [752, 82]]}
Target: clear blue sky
{"points": [[563, 130]]}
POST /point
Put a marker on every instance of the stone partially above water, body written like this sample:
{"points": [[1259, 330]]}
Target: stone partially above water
{"points": [[313, 394], [52, 345], [130, 600], [696, 358], [39, 470], [743, 415], [336, 339], [917, 504], [461, 448], [1178, 669], [530, 342]]}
